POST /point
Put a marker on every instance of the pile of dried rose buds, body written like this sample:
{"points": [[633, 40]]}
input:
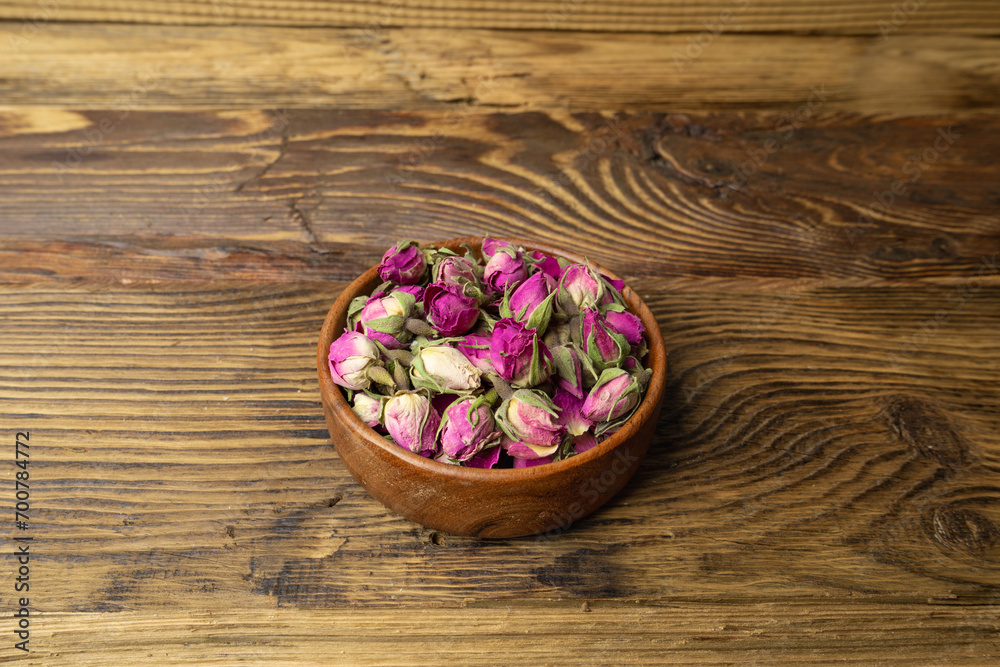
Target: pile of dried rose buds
{"points": [[525, 360]]}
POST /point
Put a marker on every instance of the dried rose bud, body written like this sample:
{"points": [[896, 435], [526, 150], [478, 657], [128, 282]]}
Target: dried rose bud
{"points": [[352, 356], [626, 324], [581, 287], [530, 463], [531, 302], [368, 408], [582, 443], [575, 372], [403, 264], [505, 269], [545, 264], [412, 422], [476, 348], [444, 369], [529, 419], [456, 269], [604, 346], [518, 356], [570, 412], [467, 427], [448, 310], [616, 393], [383, 319], [487, 458]]}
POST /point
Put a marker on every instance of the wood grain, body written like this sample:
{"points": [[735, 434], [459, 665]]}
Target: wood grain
{"points": [[309, 195], [805, 451], [165, 67], [675, 633], [851, 17]]}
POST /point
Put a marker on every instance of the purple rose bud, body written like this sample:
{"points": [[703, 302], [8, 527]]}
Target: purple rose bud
{"points": [[581, 287], [476, 348], [531, 302], [383, 319], [487, 458], [505, 270], [604, 346], [575, 371], [467, 427], [448, 310], [368, 408], [351, 355], [444, 369], [518, 355], [626, 324], [570, 412], [403, 263], [412, 422], [529, 419], [546, 264], [491, 245], [416, 290], [615, 394]]}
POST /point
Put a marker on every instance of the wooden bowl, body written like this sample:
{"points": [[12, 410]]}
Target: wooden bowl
{"points": [[489, 502]]}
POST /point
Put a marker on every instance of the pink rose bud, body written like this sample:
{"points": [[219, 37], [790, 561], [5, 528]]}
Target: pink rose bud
{"points": [[403, 264], [582, 443], [351, 357], [574, 371], [626, 324], [531, 302], [570, 412], [412, 422], [491, 245], [448, 310], [581, 287], [529, 419], [518, 355], [505, 270], [383, 319], [615, 394], [467, 427], [444, 369], [476, 348], [457, 270], [604, 346], [368, 408]]}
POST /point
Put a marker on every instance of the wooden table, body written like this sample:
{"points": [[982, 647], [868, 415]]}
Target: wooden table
{"points": [[185, 188]]}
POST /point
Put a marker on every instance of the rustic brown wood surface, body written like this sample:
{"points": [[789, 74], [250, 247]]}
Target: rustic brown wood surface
{"points": [[813, 220]]}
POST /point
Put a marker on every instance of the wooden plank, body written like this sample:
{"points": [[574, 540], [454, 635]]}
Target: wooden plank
{"points": [[678, 633], [819, 443], [165, 67], [709, 16], [310, 195]]}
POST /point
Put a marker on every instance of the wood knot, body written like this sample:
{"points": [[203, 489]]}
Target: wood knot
{"points": [[926, 431], [965, 530]]}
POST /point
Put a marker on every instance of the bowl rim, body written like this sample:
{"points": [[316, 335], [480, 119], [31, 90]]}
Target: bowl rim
{"points": [[648, 408]]}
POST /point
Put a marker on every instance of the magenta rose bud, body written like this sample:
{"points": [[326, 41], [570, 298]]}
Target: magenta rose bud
{"points": [[571, 412], [531, 302], [448, 310], [412, 422], [615, 394], [383, 319], [529, 419], [350, 358], [467, 427], [626, 324], [530, 463], [546, 264], [455, 269], [491, 245], [505, 269], [518, 355], [487, 458], [403, 264], [604, 346], [476, 348]]}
